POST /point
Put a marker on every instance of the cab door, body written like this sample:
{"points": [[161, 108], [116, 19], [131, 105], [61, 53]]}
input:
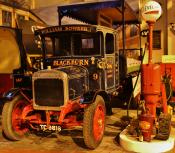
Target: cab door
{"points": [[110, 62]]}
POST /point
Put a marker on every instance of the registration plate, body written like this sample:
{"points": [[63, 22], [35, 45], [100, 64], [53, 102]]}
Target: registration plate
{"points": [[50, 128]]}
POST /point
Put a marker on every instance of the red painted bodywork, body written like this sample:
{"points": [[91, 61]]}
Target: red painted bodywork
{"points": [[6, 83], [98, 122], [151, 79], [164, 99], [151, 86], [67, 116]]}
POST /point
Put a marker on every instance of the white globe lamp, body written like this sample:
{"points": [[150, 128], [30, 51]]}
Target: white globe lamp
{"points": [[151, 11]]}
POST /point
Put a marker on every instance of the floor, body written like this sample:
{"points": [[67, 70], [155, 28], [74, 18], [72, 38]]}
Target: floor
{"points": [[71, 141]]}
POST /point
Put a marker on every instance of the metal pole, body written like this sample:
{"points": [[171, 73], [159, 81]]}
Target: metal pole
{"points": [[123, 24], [140, 43], [150, 24], [166, 29], [59, 17]]}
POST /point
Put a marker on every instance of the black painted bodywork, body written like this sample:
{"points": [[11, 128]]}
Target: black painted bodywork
{"points": [[102, 65]]}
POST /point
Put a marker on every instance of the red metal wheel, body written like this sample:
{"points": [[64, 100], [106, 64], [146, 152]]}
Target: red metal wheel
{"points": [[12, 123], [99, 122], [17, 121], [94, 123]]}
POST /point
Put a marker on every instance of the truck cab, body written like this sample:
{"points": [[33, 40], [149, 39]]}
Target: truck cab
{"points": [[93, 47]]}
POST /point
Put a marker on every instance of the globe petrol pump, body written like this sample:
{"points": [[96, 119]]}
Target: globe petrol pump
{"points": [[154, 116]]}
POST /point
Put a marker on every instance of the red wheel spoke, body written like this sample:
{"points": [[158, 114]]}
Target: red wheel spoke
{"points": [[99, 118], [17, 118]]}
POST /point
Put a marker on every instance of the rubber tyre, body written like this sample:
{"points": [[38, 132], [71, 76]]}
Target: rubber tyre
{"points": [[18, 103], [94, 123]]}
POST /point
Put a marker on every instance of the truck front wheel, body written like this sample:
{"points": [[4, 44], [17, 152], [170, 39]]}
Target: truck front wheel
{"points": [[12, 124], [94, 123]]}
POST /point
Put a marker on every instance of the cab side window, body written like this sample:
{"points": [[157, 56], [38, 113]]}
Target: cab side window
{"points": [[87, 44], [109, 43]]}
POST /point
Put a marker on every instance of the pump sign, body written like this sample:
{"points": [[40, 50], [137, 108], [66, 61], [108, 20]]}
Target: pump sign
{"points": [[151, 11]]}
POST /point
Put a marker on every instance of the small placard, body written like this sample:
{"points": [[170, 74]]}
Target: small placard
{"points": [[168, 59]]}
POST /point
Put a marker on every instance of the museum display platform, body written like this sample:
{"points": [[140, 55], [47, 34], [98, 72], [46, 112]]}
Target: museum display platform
{"points": [[131, 143]]}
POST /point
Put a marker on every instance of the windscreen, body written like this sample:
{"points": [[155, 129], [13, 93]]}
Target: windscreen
{"points": [[68, 44]]}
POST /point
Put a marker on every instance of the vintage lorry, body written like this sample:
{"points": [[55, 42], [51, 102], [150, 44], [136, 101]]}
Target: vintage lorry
{"points": [[71, 85], [79, 74]]}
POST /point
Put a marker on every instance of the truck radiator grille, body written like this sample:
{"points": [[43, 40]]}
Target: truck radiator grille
{"points": [[49, 92]]}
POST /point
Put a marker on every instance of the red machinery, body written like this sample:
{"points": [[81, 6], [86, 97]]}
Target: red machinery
{"points": [[155, 115], [153, 88]]}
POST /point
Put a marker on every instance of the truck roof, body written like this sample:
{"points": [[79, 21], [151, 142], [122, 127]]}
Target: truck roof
{"points": [[74, 28]]}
